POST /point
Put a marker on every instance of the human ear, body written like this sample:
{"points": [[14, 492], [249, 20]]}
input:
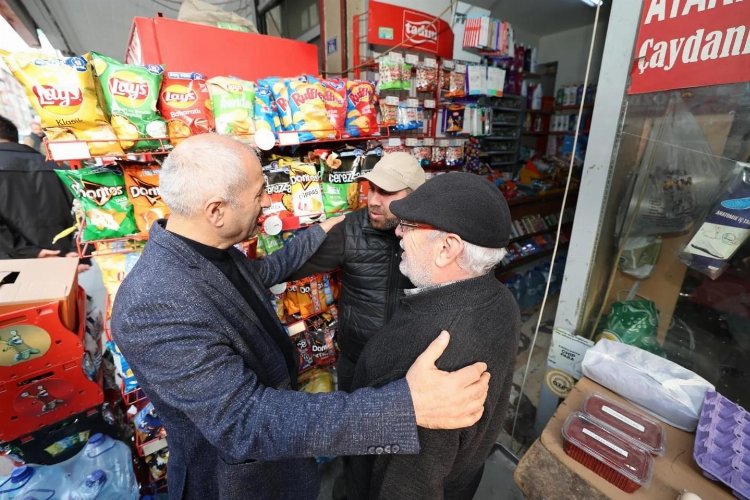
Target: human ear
{"points": [[214, 211], [450, 249]]}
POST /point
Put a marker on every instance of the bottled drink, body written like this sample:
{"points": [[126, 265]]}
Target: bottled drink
{"points": [[37, 482], [91, 487], [104, 454]]}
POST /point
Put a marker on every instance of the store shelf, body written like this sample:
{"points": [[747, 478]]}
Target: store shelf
{"points": [[497, 137], [542, 196], [503, 163], [527, 259], [563, 132], [534, 133], [539, 111], [497, 152], [506, 109], [574, 107], [538, 233]]}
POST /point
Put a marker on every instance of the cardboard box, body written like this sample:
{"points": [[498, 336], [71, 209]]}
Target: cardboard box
{"points": [[36, 282]]}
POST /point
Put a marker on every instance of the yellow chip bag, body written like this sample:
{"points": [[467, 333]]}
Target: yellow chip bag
{"points": [[307, 193], [233, 103], [142, 183], [61, 91]]}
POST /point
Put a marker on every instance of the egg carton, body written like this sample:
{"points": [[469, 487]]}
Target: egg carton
{"points": [[722, 443]]}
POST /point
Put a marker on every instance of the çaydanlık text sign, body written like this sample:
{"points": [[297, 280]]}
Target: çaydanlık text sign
{"points": [[691, 43]]}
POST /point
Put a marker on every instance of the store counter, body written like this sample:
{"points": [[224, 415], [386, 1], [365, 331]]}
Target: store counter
{"points": [[546, 471]]}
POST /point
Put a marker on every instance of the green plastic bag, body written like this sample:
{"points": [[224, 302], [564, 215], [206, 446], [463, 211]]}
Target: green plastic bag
{"points": [[633, 322], [101, 192]]}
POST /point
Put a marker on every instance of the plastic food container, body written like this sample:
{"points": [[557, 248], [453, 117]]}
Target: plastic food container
{"points": [[616, 459], [632, 424]]}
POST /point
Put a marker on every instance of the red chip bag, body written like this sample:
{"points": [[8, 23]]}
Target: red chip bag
{"points": [[361, 111], [185, 104], [334, 97]]}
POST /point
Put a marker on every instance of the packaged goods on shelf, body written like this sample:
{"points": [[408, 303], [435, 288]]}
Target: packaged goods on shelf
{"points": [[307, 194], [185, 103], [142, 183], [334, 98], [361, 115], [339, 183], [309, 113], [233, 104]]}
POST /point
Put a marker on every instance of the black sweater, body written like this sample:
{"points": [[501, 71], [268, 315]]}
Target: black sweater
{"points": [[483, 320]]}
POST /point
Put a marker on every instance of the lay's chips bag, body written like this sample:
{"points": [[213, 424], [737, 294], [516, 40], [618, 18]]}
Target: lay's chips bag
{"points": [[130, 93], [142, 182], [185, 103], [101, 193], [309, 117], [233, 103], [361, 111], [338, 174], [266, 117], [62, 92], [307, 196], [281, 98]]}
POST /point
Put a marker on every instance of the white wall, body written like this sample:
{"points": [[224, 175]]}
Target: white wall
{"points": [[571, 49]]}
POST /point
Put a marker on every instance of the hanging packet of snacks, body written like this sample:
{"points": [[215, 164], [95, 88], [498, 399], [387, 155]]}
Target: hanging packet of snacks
{"points": [[142, 183], [301, 340], [361, 111], [426, 78], [389, 111], [389, 72], [130, 94], [454, 156], [185, 104], [309, 115], [279, 188], [233, 102], [334, 97], [408, 117], [307, 194], [438, 156], [423, 154], [306, 297], [281, 98], [101, 192], [62, 92], [339, 183], [316, 381], [456, 84], [405, 79], [444, 78], [454, 118], [264, 108], [322, 332]]}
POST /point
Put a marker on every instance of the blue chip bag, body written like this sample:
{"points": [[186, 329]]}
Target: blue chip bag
{"points": [[266, 115], [309, 116]]}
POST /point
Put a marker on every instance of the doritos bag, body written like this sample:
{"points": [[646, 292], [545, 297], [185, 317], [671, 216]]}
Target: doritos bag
{"points": [[101, 192], [281, 97], [233, 102], [361, 110], [130, 94], [142, 182], [338, 174], [321, 334], [62, 92], [185, 103], [266, 116], [307, 196], [334, 97], [309, 117], [278, 187]]}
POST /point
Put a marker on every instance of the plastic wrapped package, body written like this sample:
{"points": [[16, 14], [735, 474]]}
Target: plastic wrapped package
{"points": [[670, 392], [633, 425]]}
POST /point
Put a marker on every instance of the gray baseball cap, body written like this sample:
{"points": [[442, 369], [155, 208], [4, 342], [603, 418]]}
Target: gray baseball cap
{"points": [[396, 171]]}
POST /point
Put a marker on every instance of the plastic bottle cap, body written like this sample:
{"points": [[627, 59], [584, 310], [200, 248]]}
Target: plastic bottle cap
{"points": [[96, 438], [20, 473], [96, 477]]}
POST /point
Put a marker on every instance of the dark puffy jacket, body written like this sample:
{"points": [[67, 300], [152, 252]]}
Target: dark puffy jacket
{"points": [[371, 281], [34, 204]]}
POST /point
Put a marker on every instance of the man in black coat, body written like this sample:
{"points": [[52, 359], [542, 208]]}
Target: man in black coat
{"points": [[34, 205], [453, 232]]}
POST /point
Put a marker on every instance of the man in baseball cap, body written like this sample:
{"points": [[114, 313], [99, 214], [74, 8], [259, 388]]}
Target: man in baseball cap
{"points": [[453, 232], [367, 250]]}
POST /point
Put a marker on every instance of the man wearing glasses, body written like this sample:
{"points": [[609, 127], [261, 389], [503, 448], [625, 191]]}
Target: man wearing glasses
{"points": [[453, 232], [366, 249]]}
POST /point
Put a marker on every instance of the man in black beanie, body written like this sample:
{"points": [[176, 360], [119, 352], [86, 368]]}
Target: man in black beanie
{"points": [[453, 232]]}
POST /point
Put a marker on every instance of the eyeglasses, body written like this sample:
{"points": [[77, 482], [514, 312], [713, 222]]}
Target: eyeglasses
{"points": [[414, 225]]}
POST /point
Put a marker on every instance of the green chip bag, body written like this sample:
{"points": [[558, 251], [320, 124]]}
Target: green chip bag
{"points": [[338, 173], [130, 94], [233, 103], [101, 193]]}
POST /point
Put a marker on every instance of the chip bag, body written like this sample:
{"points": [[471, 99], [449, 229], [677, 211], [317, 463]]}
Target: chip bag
{"points": [[279, 188], [266, 116], [101, 193], [309, 115], [62, 92], [321, 334], [185, 103], [339, 181], [142, 182], [280, 94], [307, 196], [129, 94], [361, 110], [334, 97], [233, 103]]}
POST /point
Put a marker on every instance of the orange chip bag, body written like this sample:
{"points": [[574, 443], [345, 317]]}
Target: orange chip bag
{"points": [[62, 92], [185, 104], [142, 183], [306, 296], [361, 111]]}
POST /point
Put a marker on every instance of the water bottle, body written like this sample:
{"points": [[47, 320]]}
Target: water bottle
{"points": [[93, 485], [112, 457], [30, 482]]}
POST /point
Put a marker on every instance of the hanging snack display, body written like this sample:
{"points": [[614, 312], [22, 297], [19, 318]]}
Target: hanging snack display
{"points": [[321, 334], [266, 117], [278, 187], [307, 195], [309, 115], [101, 193], [389, 71], [185, 103], [142, 183], [361, 114], [62, 92], [338, 175], [454, 119], [280, 94], [427, 78], [233, 103], [334, 97], [456, 84], [130, 93]]}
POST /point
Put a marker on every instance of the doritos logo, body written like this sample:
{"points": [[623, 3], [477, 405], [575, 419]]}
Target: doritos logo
{"points": [[97, 193], [133, 90], [58, 96], [145, 190]]}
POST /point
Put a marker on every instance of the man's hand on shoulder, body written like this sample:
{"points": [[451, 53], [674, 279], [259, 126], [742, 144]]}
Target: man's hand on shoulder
{"points": [[327, 224], [446, 400]]}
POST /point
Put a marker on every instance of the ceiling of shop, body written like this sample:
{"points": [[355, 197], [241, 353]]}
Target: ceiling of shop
{"points": [[545, 17]]}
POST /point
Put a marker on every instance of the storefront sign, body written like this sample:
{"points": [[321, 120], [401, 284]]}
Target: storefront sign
{"points": [[392, 25], [691, 43]]}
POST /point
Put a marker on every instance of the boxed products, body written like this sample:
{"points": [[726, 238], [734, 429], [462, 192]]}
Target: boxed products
{"points": [[630, 424]]}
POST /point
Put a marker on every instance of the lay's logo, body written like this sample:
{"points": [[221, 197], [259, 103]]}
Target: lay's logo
{"points": [[179, 97], [128, 87], [235, 87], [58, 96]]}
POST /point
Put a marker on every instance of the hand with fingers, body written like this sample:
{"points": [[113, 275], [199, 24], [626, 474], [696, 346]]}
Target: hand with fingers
{"points": [[48, 253], [446, 400]]}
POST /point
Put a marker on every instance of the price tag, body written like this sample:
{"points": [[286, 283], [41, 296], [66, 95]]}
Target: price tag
{"points": [[444, 143], [60, 151], [412, 103], [391, 100], [296, 328], [429, 141], [460, 68], [429, 62], [395, 56], [288, 138], [449, 64], [394, 142], [412, 142], [429, 103], [412, 59]]}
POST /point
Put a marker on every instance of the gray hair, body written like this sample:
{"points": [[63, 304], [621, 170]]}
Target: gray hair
{"points": [[474, 259], [197, 170]]}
